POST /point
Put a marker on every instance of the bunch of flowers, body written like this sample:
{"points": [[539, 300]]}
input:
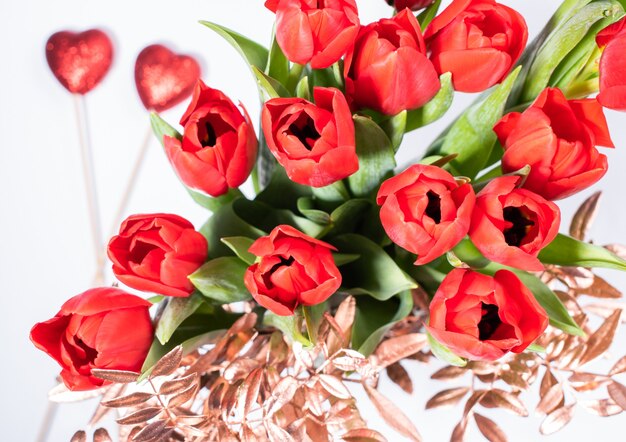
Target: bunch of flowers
{"points": [[341, 264]]}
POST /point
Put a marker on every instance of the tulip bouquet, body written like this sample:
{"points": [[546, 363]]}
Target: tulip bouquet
{"points": [[341, 265]]}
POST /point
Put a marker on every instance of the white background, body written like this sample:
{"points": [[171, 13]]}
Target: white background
{"points": [[46, 251]]}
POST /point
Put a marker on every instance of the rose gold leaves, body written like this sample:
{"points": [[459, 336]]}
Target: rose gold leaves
{"points": [[281, 394], [497, 398], [601, 407], [582, 381], [128, 400], [557, 420], [489, 429], [79, 436], [447, 398], [617, 392], [101, 435], [341, 325], [249, 391], [619, 366], [392, 414], [448, 373], [140, 416], [601, 289], [183, 397], [363, 435], [584, 217], [117, 376], [395, 349], [168, 363], [153, 431], [399, 376], [602, 338], [334, 386], [277, 434], [552, 398], [240, 368], [177, 385]]}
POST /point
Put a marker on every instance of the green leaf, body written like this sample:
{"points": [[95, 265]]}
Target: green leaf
{"points": [[560, 43], [269, 87], [226, 223], [444, 354], [345, 217], [254, 54], [281, 192], [472, 136], [175, 312], [161, 128], [567, 251], [435, 108], [313, 315], [536, 348], [374, 319], [221, 280], [331, 195], [427, 15], [303, 90], [395, 127], [374, 273], [240, 245], [306, 206], [278, 65], [197, 330], [376, 157], [289, 325], [344, 258]]}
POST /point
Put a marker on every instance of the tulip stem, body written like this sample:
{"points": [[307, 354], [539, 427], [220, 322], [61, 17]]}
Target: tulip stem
{"points": [[310, 324], [86, 151]]}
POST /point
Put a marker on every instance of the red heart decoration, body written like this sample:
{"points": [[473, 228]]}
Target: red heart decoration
{"points": [[164, 78], [79, 60]]}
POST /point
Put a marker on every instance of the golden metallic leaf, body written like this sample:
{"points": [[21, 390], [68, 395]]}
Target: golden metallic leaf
{"points": [[342, 324], [79, 436], [277, 434], [474, 398], [168, 363], [399, 376], [392, 414], [617, 392], [497, 398], [350, 361], [448, 373], [245, 323], [395, 349], [140, 416], [363, 435], [281, 394], [249, 391], [128, 400], [619, 366], [334, 386], [584, 217], [458, 434], [514, 379], [101, 435], [240, 368], [602, 338], [602, 289], [177, 385], [605, 309], [214, 400], [618, 249], [602, 407], [489, 429], [117, 376], [151, 431], [582, 381], [550, 400], [557, 420], [575, 277], [483, 368], [447, 398], [183, 397], [230, 399], [547, 381]]}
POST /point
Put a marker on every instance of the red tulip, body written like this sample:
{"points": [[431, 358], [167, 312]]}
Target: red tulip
{"points": [[314, 142], [481, 317], [388, 70], [319, 32], [511, 225], [414, 5], [156, 253], [294, 269], [219, 146], [557, 139], [104, 328], [478, 41], [613, 66], [425, 211]]}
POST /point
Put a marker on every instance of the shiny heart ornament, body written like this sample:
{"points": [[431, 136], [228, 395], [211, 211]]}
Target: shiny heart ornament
{"points": [[79, 60], [164, 78]]}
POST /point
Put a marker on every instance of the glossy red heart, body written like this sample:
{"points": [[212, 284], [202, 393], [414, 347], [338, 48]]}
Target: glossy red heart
{"points": [[164, 78], [79, 60]]}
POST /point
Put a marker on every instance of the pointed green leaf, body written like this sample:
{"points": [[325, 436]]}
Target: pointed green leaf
{"points": [[444, 354], [472, 136], [278, 65], [240, 245], [376, 157], [374, 319], [435, 108], [303, 90], [395, 127], [289, 325], [254, 54], [332, 195], [374, 273], [268, 86], [175, 312], [306, 206], [427, 15], [281, 192], [221, 280], [567, 251], [344, 258]]}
